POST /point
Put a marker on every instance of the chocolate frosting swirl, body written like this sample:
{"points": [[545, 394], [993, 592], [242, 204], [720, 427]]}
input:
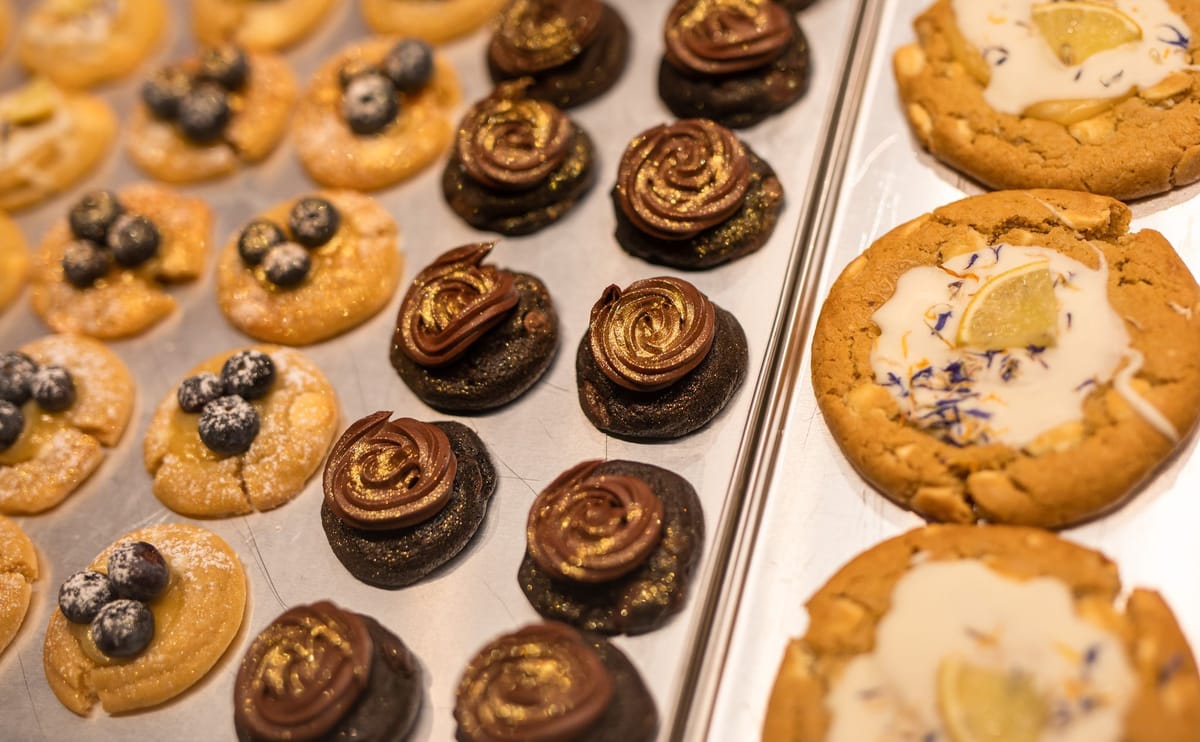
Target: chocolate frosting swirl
{"points": [[303, 673], [386, 474], [537, 35], [652, 334], [590, 528], [510, 142], [452, 303], [676, 180], [721, 37], [543, 683]]}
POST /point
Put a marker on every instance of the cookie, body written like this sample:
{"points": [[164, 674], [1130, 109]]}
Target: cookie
{"points": [[1036, 642], [54, 138], [691, 195], [270, 425], [434, 21], [731, 61], [103, 279], [211, 114], [14, 261], [518, 164], [573, 50], [1126, 123], [194, 621], [323, 264], [659, 360], [257, 26], [321, 672], [78, 44], [472, 337], [1046, 400], [18, 569], [357, 127], [403, 497], [611, 545], [65, 399]]}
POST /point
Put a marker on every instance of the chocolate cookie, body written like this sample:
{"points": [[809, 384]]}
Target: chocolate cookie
{"points": [[659, 360], [573, 50], [389, 527], [550, 682], [471, 337], [610, 546], [691, 195], [518, 163], [732, 61]]}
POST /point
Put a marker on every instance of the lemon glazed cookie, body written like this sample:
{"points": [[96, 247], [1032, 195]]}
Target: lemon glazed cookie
{"points": [[103, 271], [1099, 97], [14, 260], [63, 398], [257, 26], [1036, 644], [79, 43], [146, 621], [376, 113], [18, 569], [53, 138], [434, 21], [310, 269], [1015, 357], [243, 432]]}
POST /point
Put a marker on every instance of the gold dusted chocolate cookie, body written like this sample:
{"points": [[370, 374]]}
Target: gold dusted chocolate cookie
{"points": [[63, 399], [376, 113], [193, 620], [1017, 357], [54, 137], [1035, 644], [79, 43], [103, 270], [1099, 97], [18, 569], [242, 432], [257, 26], [434, 21], [14, 260], [310, 268]]}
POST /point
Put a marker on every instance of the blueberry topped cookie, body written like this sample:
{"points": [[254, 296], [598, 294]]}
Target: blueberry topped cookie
{"points": [[1016, 357], [1099, 97], [257, 25], [208, 115], [79, 43], [434, 21], [18, 570]]}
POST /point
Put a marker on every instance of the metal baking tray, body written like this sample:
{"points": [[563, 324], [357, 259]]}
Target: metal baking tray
{"points": [[450, 615], [808, 512]]}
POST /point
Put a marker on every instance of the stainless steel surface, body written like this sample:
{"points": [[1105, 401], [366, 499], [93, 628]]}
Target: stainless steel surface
{"points": [[447, 617], [817, 512]]}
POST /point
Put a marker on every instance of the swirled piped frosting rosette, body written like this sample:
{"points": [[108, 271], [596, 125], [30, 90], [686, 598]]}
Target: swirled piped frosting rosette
{"points": [[510, 142], [386, 474], [720, 37], [537, 35]]}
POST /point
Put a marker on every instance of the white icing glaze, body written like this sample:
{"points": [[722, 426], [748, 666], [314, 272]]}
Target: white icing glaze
{"points": [[18, 142], [963, 609], [91, 27], [1025, 70], [967, 395]]}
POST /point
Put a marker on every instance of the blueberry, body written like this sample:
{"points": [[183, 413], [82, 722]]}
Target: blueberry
{"points": [[123, 628], [93, 214], [228, 425], [83, 594], [287, 265], [352, 70], [409, 65], [370, 103], [225, 65], [53, 388], [197, 391], [84, 262], [256, 239], [313, 221], [163, 92], [12, 422], [133, 240], [138, 571], [16, 375], [248, 374], [204, 112]]}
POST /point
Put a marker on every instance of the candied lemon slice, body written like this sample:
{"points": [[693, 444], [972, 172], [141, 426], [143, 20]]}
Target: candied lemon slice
{"points": [[979, 704], [29, 104], [1013, 309], [1077, 30]]}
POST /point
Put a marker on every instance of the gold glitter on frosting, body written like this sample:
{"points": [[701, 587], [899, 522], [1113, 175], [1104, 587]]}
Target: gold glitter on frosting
{"points": [[537, 35], [510, 142], [718, 37], [652, 334]]}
